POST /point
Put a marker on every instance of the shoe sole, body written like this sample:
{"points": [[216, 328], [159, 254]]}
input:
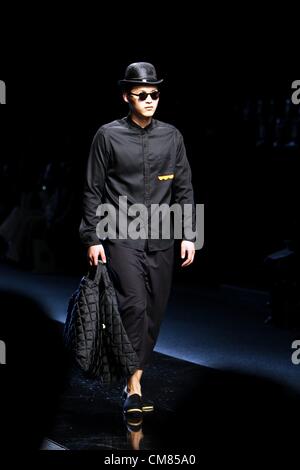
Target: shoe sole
{"points": [[133, 413], [133, 410], [135, 423], [147, 409]]}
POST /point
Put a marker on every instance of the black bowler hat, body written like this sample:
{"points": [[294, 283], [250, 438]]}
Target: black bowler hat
{"points": [[140, 73]]}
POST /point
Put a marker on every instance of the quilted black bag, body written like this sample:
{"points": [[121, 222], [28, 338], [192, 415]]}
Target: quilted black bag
{"points": [[93, 331]]}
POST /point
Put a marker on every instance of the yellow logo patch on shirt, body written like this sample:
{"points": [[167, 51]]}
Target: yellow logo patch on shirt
{"points": [[166, 177]]}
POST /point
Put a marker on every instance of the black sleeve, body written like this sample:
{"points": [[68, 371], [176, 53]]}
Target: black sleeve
{"points": [[182, 187], [93, 189]]}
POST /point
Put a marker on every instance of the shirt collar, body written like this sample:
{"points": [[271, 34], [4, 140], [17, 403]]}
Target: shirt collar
{"points": [[132, 124]]}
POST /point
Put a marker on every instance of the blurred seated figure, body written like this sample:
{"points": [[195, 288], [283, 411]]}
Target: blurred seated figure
{"points": [[17, 229], [25, 219], [8, 189], [30, 234], [282, 268], [63, 217]]}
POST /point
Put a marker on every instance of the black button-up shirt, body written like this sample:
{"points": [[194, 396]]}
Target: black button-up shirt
{"points": [[148, 165]]}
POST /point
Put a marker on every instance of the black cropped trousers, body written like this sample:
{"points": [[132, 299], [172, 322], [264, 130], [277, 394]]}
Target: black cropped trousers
{"points": [[142, 281]]}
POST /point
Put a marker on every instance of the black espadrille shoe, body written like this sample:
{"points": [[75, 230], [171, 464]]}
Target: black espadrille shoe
{"points": [[132, 406], [147, 405]]}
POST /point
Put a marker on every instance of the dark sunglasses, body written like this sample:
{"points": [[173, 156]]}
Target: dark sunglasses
{"points": [[143, 95]]}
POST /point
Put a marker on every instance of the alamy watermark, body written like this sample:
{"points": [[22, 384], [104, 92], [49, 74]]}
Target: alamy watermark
{"points": [[2, 92], [296, 354], [141, 222], [2, 352], [296, 94]]}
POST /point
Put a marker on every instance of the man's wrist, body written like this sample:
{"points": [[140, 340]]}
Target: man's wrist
{"points": [[94, 244]]}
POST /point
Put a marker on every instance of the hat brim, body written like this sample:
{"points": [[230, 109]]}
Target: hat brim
{"points": [[139, 82]]}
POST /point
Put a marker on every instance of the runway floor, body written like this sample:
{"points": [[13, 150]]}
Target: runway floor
{"points": [[218, 371]]}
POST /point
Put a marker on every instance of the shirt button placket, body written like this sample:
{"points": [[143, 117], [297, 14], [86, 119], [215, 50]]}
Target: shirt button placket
{"points": [[145, 145]]}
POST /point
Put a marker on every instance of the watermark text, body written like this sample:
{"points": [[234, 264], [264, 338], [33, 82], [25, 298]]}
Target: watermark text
{"points": [[296, 94], [157, 221], [296, 354], [2, 92], [2, 352]]}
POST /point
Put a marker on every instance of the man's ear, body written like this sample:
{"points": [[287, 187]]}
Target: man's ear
{"points": [[125, 96]]}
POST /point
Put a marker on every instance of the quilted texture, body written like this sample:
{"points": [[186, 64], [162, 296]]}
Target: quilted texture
{"points": [[94, 333]]}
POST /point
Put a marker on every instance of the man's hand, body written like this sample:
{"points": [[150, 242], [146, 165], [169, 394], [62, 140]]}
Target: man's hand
{"points": [[93, 254], [189, 248]]}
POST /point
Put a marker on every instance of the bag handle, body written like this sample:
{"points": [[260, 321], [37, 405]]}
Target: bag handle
{"points": [[100, 272], [95, 273]]}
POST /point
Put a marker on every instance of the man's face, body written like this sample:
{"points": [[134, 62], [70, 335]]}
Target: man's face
{"points": [[139, 105]]}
